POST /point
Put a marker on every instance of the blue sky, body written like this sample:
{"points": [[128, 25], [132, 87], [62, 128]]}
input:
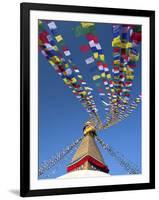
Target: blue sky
{"points": [[61, 115]]}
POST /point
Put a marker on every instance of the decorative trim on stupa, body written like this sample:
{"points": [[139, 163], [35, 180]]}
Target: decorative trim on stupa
{"points": [[88, 160]]}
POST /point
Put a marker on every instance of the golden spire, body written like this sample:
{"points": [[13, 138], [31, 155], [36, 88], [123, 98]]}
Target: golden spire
{"points": [[88, 156]]}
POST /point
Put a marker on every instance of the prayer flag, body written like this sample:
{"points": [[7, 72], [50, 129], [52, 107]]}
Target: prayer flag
{"points": [[102, 94], [98, 46], [73, 80], [105, 82], [84, 48], [95, 55], [100, 67], [90, 37], [103, 75], [67, 53], [89, 60], [96, 77], [52, 25], [87, 24], [102, 57], [43, 37], [58, 38], [92, 44]]}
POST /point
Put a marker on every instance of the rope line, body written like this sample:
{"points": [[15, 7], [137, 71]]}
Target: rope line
{"points": [[130, 167], [46, 165]]}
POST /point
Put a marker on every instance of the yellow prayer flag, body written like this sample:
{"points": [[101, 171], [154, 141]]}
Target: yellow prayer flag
{"points": [[124, 69], [55, 59], [66, 81], [112, 90], [51, 62], [114, 100], [138, 100], [86, 24], [129, 72], [103, 75], [80, 76], [124, 101], [55, 48], [116, 62], [83, 93], [134, 57], [126, 45], [102, 57], [95, 55], [116, 38], [58, 38], [109, 76], [66, 65], [130, 77], [73, 80], [64, 73], [116, 42], [96, 77]]}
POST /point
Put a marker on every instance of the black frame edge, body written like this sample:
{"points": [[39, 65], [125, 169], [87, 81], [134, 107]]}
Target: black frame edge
{"points": [[86, 9], [25, 103], [152, 98], [93, 189]]}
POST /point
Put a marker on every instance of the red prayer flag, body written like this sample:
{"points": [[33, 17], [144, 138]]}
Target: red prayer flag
{"points": [[84, 48], [90, 36], [125, 57], [76, 85], [65, 48], [43, 37], [99, 63], [116, 49], [136, 37], [105, 65], [116, 68], [95, 39]]}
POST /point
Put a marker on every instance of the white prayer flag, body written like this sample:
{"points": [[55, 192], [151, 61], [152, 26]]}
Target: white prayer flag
{"points": [[52, 25], [89, 60], [92, 43], [67, 53]]}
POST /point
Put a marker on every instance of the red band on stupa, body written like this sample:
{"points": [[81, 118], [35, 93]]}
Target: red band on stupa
{"points": [[92, 160]]}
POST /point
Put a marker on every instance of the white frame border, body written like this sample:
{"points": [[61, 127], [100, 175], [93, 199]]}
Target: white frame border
{"points": [[112, 180]]}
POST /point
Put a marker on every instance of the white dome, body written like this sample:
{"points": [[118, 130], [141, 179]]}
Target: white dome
{"points": [[84, 174]]}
